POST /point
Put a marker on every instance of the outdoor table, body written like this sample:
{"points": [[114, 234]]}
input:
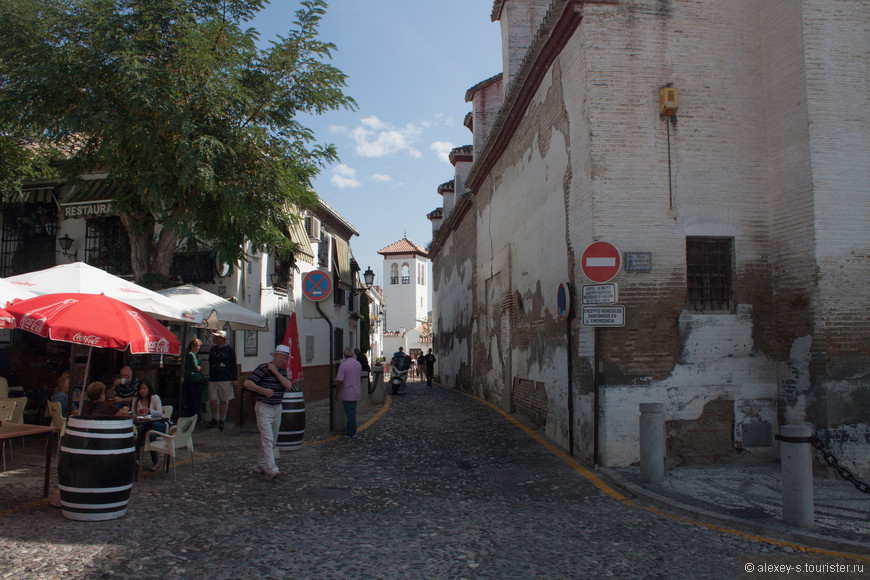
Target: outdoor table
{"points": [[14, 430], [143, 420]]}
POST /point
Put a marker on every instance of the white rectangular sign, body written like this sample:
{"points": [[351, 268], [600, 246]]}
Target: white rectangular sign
{"points": [[599, 294], [604, 316]]}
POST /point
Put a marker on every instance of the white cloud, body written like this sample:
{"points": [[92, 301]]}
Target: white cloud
{"points": [[442, 149], [344, 177], [380, 177], [374, 138]]}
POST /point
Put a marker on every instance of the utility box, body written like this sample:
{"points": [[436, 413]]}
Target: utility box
{"points": [[668, 101]]}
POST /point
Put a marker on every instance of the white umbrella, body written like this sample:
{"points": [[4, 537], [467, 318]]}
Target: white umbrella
{"points": [[81, 278], [215, 311], [10, 292]]}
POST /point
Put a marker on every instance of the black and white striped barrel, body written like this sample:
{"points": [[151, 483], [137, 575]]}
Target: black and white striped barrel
{"points": [[96, 464], [292, 428]]}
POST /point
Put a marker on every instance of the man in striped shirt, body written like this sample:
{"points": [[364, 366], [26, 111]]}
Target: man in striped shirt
{"points": [[269, 381]]}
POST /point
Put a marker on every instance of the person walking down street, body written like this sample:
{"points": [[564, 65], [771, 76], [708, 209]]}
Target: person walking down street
{"points": [[269, 381], [349, 390], [430, 367], [193, 380], [363, 361], [223, 374], [421, 364]]}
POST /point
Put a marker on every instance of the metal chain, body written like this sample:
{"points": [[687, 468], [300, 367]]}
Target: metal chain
{"points": [[841, 471]]}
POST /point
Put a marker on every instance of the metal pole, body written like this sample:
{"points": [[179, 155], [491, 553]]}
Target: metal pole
{"points": [[570, 377], [596, 388]]}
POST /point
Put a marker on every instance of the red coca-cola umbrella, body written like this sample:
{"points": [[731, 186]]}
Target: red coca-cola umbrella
{"points": [[6, 319], [94, 320]]}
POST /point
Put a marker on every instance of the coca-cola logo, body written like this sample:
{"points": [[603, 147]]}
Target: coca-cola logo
{"points": [[160, 346], [33, 324], [88, 339]]}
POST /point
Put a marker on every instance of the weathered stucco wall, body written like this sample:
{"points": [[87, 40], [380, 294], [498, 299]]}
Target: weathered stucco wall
{"points": [[769, 149]]}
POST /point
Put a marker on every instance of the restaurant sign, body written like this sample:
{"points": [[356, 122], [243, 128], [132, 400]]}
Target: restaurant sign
{"points": [[87, 210]]}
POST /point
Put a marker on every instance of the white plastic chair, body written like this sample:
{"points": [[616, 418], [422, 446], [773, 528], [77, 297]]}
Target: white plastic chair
{"points": [[7, 407], [167, 414], [181, 438]]}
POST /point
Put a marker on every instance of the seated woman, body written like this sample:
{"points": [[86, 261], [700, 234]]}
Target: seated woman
{"points": [[146, 402], [61, 394], [96, 405]]}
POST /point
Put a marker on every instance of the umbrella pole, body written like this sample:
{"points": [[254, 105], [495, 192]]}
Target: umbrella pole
{"points": [[69, 398], [183, 363]]}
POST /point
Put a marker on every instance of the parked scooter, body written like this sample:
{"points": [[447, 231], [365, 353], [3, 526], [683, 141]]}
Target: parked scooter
{"points": [[399, 372], [398, 380]]}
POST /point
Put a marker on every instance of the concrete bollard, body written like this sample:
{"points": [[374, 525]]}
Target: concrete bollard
{"points": [[339, 419], [378, 397], [652, 443], [362, 406], [797, 475]]}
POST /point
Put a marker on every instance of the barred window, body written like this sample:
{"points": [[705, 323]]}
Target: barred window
{"points": [[708, 273], [29, 238], [107, 246]]}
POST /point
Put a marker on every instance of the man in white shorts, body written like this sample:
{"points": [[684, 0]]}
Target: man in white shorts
{"points": [[223, 374]]}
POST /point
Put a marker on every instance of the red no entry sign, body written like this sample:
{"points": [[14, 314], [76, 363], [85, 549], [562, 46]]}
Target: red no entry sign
{"points": [[316, 285], [600, 262]]}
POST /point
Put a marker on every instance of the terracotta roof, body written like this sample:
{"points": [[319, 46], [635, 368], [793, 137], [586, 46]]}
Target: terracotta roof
{"points": [[436, 214], [404, 246], [464, 153]]}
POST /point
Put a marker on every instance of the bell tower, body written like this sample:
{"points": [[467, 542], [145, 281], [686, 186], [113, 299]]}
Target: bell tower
{"points": [[405, 284]]}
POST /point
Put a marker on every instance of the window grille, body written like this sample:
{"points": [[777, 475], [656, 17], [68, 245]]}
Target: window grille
{"points": [[709, 273], [107, 246], [29, 238], [394, 279], [193, 267]]}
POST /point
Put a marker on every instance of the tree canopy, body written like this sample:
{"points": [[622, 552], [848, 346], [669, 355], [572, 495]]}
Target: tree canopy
{"points": [[200, 129]]}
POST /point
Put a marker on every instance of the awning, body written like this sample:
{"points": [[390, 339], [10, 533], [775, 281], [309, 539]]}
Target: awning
{"points": [[300, 236], [33, 195], [88, 200], [342, 257]]}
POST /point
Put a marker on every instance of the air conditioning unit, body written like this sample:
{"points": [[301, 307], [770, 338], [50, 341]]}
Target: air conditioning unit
{"points": [[312, 225]]}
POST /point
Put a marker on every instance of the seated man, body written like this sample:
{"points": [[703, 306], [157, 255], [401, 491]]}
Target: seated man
{"points": [[124, 388], [96, 405]]}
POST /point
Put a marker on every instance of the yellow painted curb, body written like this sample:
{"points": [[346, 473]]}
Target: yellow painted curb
{"points": [[608, 490]]}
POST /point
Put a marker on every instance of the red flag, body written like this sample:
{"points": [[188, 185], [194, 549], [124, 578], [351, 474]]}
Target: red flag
{"points": [[294, 362]]}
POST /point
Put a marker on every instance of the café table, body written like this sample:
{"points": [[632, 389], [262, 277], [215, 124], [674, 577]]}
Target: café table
{"points": [[14, 430], [139, 421]]}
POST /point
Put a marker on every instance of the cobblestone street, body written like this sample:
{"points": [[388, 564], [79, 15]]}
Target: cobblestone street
{"points": [[439, 486]]}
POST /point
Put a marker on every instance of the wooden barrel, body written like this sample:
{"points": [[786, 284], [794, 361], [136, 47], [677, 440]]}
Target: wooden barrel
{"points": [[96, 464], [292, 421]]}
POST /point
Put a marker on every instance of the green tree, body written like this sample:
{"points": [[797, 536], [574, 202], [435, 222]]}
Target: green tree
{"points": [[198, 127]]}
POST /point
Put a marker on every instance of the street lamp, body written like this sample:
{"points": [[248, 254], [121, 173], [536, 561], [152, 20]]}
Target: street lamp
{"points": [[369, 277], [66, 243]]}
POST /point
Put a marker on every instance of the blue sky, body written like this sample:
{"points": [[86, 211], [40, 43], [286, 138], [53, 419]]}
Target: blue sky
{"points": [[409, 64]]}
